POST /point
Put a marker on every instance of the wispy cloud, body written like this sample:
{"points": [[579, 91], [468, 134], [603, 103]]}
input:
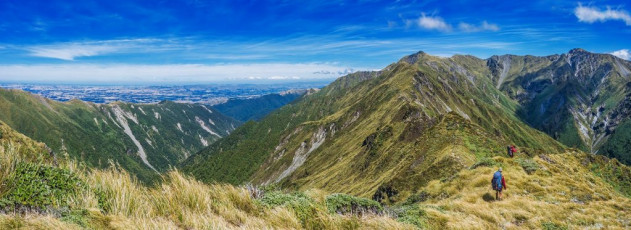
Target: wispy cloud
{"points": [[484, 26], [71, 50], [236, 56], [433, 23], [623, 53], [194, 73], [297, 49], [593, 14]]}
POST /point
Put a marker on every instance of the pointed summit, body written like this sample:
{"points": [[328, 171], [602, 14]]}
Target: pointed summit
{"points": [[578, 51], [413, 58]]}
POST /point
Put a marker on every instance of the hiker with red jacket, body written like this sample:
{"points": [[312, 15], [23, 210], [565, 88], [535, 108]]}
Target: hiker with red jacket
{"points": [[498, 184], [513, 150]]}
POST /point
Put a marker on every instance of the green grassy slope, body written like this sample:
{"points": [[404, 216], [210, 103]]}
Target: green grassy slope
{"points": [[256, 108], [420, 119], [242, 152], [561, 191], [95, 133], [619, 143], [43, 191]]}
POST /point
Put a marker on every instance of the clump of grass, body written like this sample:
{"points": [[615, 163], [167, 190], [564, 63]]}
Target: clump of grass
{"points": [[343, 203], [78, 217], [484, 162], [529, 165], [118, 193]]}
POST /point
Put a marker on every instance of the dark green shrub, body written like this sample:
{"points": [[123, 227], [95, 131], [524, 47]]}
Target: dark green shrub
{"points": [[304, 207], [277, 198], [39, 186], [415, 198], [411, 214], [343, 203], [529, 165], [101, 197]]}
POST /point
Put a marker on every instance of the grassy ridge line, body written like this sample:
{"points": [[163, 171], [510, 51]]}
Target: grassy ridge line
{"points": [[423, 141], [235, 158], [438, 118]]}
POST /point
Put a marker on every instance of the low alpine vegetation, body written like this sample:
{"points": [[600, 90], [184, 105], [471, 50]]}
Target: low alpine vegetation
{"points": [[36, 187], [37, 193], [343, 204]]}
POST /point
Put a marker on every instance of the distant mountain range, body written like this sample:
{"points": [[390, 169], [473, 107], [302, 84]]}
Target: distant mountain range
{"points": [[580, 98], [386, 134], [142, 138], [245, 109]]}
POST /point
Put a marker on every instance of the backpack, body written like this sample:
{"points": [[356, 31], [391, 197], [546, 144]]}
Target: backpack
{"points": [[497, 181]]}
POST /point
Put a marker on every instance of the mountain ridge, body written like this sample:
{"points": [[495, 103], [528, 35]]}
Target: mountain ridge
{"points": [[398, 104], [143, 138]]}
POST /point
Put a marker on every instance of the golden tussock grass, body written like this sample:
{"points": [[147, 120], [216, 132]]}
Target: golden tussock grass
{"points": [[561, 193], [115, 200], [564, 194]]}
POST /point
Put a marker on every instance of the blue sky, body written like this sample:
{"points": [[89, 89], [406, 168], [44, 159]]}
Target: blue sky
{"points": [[194, 41]]}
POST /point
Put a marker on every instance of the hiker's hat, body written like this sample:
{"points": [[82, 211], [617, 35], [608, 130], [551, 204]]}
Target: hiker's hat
{"points": [[500, 169]]}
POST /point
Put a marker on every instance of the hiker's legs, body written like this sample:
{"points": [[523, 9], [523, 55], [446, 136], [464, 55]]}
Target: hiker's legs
{"points": [[497, 195], [500, 192]]}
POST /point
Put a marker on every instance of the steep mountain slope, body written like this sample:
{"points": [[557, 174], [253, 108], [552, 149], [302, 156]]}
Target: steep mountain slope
{"points": [[378, 134], [143, 138], [579, 98], [41, 190], [18, 144], [571, 190], [245, 109]]}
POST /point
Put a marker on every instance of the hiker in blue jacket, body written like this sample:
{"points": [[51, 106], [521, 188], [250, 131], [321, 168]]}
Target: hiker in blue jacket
{"points": [[498, 184]]}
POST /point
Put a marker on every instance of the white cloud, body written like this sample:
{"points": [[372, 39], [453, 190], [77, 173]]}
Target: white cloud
{"points": [[484, 26], [623, 53], [182, 73], [72, 50], [433, 23], [593, 14], [438, 23]]}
